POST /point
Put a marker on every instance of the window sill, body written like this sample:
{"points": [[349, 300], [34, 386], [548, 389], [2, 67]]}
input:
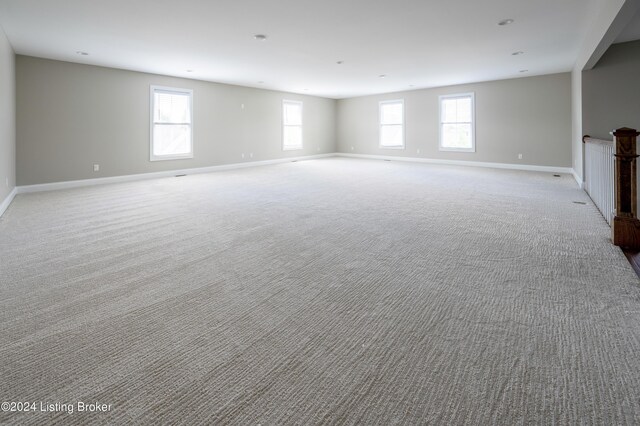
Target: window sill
{"points": [[457, 149], [171, 157]]}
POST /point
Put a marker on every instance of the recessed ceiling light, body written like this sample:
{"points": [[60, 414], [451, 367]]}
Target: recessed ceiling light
{"points": [[189, 70], [412, 85], [524, 70], [340, 62], [505, 22], [81, 53], [260, 37], [382, 76], [517, 53], [260, 82]]}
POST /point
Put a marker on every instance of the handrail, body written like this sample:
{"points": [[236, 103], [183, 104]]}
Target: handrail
{"points": [[625, 226], [589, 139]]}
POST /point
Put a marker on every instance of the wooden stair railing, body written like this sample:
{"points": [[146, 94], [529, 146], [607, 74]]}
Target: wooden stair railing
{"points": [[625, 228]]}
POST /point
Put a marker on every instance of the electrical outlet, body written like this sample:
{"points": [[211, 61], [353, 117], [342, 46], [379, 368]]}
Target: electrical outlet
{"points": [[418, 151], [241, 106], [351, 148], [318, 149], [519, 156], [242, 155], [96, 167], [251, 155]]}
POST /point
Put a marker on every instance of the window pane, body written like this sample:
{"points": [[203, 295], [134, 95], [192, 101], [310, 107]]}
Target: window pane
{"points": [[391, 113], [449, 111], [391, 135], [456, 136], [456, 110], [292, 114], [171, 139], [292, 137], [171, 108], [463, 110]]}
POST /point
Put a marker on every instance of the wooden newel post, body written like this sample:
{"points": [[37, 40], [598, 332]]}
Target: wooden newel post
{"points": [[625, 228]]}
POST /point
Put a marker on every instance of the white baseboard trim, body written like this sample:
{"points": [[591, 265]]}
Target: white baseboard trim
{"points": [[510, 166], [169, 173], [7, 201], [578, 179]]}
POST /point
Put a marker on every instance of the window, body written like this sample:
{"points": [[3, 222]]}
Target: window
{"points": [[291, 125], [171, 121], [392, 124], [457, 129]]}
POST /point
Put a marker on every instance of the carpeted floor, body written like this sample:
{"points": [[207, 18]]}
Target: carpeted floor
{"points": [[335, 291]]}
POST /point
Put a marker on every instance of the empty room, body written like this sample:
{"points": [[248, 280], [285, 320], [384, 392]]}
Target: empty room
{"points": [[339, 212]]}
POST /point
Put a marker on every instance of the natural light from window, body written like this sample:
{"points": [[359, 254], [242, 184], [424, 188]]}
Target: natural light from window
{"points": [[392, 124], [456, 123], [291, 125], [171, 134]]}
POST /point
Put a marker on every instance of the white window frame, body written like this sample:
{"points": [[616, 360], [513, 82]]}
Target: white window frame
{"points": [[380, 104], [284, 125], [473, 121], [173, 90]]}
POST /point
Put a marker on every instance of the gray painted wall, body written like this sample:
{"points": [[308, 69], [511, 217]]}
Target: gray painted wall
{"points": [[529, 116], [7, 118], [611, 91], [70, 116]]}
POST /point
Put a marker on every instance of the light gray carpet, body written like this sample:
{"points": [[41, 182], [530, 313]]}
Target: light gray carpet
{"points": [[335, 291]]}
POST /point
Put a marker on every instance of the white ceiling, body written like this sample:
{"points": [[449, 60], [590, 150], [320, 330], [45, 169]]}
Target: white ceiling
{"points": [[416, 43]]}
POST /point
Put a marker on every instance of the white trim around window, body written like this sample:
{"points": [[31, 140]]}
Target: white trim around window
{"points": [[171, 123], [391, 124], [292, 113], [457, 122]]}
